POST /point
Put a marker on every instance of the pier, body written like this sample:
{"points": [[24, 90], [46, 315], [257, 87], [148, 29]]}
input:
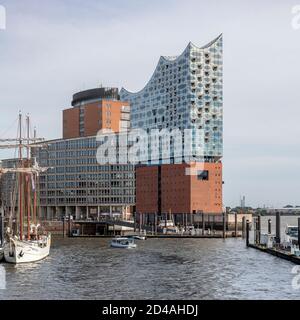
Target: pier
{"points": [[277, 252], [202, 226], [272, 243]]}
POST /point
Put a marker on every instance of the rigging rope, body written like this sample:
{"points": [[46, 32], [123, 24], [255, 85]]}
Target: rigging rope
{"points": [[9, 128]]}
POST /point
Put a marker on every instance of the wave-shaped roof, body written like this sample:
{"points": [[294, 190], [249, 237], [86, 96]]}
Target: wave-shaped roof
{"points": [[171, 59]]}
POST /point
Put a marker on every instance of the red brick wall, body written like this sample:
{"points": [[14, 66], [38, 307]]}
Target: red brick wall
{"points": [[180, 192], [207, 195], [92, 118], [176, 189], [104, 114], [71, 123], [146, 189]]}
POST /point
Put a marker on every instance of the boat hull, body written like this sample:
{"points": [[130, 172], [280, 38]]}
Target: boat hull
{"points": [[121, 246], [16, 251]]}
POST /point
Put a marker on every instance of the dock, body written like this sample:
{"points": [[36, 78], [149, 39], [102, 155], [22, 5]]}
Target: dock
{"points": [[169, 236], [272, 243], [209, 226], [277, 252]]}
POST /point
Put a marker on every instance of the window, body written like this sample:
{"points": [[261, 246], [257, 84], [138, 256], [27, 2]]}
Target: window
{"points": [[202, 175]]}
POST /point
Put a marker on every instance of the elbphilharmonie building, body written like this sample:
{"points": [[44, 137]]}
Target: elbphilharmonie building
{"points": [[184, 92]]}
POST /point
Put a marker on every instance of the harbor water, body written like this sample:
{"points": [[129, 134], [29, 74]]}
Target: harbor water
{"points": [[88, 268]]}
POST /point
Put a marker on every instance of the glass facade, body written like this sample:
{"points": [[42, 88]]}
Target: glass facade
{"points": [[185, 92], [75, 178]]}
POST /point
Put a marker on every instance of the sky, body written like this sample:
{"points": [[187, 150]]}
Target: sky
{"points": [[52, 49]]}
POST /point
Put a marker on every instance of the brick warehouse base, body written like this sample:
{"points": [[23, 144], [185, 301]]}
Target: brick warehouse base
{"points": [[179, 188]]}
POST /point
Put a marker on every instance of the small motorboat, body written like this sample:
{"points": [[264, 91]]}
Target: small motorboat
{"points": [[122, 242]]}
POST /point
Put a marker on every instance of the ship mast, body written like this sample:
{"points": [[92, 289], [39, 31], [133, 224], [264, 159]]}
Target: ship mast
{"points": [[20, 178], [35, 186], [26, 175], [28, 179]]}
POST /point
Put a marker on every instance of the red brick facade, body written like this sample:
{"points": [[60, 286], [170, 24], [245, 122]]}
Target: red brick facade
{"points": [[178, 188], [104, 114]]}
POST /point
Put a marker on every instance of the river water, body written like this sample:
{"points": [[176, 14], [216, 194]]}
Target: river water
{"points": [[157, 269]]}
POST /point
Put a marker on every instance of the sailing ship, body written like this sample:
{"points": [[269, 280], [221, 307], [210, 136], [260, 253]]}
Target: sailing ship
{"points": [[24, 240]]}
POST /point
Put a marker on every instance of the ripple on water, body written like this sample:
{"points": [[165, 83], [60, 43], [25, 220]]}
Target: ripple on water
{"points": [[164, 269]]}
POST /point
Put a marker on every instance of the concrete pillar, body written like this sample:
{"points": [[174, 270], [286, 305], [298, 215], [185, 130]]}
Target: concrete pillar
{"points": [[235, 225], [48, 213], [259, 228], [43, 213], [98, 213], [244, 227], [224, 224], [134, 220], [77, 213], [278, 227], [140, 223], [255, 229], [269, 226], [247, 232]]}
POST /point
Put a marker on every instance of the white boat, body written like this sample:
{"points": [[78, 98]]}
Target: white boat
{"points": [[17, 251], [166, 223], [290, 236], [122, 242]]}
